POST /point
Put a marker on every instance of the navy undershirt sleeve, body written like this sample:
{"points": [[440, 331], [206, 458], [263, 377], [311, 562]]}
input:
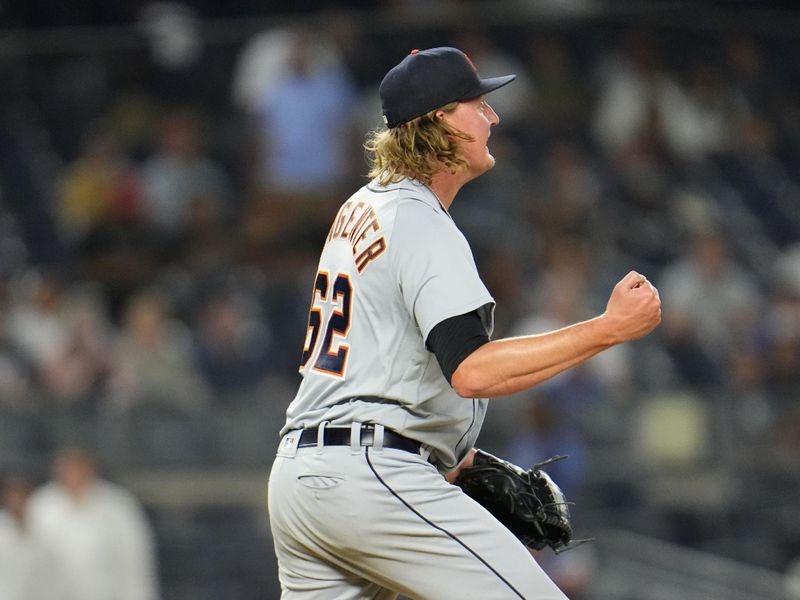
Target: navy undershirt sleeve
{"points": [[454, 339]]}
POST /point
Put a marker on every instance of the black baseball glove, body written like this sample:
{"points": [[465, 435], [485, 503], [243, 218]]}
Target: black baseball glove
{"points": [[528, 502]]}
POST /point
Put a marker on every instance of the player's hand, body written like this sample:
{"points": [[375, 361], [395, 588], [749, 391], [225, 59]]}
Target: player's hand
{"points": [[465, 463], [634, 308]]}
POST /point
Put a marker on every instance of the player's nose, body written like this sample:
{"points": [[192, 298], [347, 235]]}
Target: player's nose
{"points": [[494, 118]]}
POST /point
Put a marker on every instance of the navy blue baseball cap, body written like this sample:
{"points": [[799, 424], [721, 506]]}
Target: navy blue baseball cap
{"points": [[428, 79]]}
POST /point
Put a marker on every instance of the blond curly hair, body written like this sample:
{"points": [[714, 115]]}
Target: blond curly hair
{"points": [[417, 149]]}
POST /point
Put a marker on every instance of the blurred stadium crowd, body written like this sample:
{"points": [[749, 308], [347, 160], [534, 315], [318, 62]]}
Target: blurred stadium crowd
{"points": [[164, 196]]}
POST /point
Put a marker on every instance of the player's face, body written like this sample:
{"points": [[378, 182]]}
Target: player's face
{"points": [[476, 118]]}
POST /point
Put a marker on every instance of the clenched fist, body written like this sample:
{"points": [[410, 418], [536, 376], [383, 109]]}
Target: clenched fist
{"points": [[634, 308]]}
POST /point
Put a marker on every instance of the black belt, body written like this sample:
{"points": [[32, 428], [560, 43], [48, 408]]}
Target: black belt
{"points": [[340, 436]]}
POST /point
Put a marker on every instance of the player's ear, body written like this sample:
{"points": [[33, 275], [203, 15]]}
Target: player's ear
{"points": [[439, 114]]}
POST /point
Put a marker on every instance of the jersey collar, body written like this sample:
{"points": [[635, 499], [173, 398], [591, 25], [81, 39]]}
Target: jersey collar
{"points": [[420, 189]]}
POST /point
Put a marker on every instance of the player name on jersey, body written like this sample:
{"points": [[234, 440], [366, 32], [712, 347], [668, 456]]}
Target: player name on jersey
{"points": [[355, 222]]}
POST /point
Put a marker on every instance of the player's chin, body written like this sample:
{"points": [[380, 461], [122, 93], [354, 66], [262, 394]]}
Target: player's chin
{"points": [[490, 161], [482, 164]]}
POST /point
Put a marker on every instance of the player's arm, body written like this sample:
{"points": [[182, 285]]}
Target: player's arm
{"points": [[506, 366], [479, 368]]}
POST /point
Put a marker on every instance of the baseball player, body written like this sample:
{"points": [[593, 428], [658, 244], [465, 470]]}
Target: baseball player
{"points": [[398, 364]]}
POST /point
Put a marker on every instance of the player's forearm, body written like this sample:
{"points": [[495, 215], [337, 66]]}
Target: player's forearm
{"points": [[510, 365]]}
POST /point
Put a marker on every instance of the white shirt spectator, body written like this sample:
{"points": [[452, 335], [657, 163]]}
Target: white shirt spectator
{"points": [[265, 61], [101, 542], [692, 128], [27, 570], [624, 103]]}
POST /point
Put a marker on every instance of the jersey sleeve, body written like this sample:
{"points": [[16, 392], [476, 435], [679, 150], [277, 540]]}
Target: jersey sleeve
{"points": [[435, 268], [454, 339]]}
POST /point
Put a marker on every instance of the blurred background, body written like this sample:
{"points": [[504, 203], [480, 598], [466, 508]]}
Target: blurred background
{"points": [[168, 172]]}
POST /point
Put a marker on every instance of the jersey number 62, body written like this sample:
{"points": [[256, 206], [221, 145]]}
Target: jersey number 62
{"points": [[331, 360]]}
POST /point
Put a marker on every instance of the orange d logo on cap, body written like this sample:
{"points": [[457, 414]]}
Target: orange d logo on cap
{"points": [[472, 64]]}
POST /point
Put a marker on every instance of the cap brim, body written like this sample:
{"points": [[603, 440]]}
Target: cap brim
{"points": [[484, 86], [489, 85]]}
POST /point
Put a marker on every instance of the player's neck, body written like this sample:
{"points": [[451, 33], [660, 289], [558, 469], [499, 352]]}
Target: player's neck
{"points": [[446, 184]]}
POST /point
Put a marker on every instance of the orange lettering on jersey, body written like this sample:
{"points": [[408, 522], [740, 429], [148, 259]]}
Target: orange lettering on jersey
{"points": [[345, 232], [354, 223], [371, 253], [363, 231], [354, 233]]}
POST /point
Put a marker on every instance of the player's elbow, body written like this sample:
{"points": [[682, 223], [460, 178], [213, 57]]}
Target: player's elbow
{"points": [[468, 382]]}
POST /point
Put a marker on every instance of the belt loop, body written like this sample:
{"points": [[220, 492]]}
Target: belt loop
{"points": [[377, 440], [355, 437], [425, 451], [321, 436]]}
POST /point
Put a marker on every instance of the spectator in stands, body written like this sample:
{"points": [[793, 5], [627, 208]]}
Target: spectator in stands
{"points": [[308, 97], [710, 307], [28, 570], [562, 93], [295, 87], [97, 532], [121, 259], [35, 320], [63, 335], [695, 118], [73, 375], [627, 79], [233, 345], [179, 177], [205, 247], [98, 188], [152, 362], [568, 193], [35, 323]]}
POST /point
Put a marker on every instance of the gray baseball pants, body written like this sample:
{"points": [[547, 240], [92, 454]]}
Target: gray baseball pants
{"points": [[357, 522]]}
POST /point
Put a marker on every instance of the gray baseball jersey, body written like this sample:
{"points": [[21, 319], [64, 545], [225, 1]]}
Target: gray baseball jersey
{"points": [[394, 266]]}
